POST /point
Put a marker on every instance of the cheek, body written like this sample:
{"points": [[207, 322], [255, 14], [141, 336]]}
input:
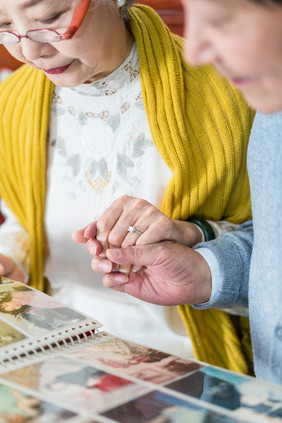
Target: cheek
{"points": [[16, 52], [238, 56]]}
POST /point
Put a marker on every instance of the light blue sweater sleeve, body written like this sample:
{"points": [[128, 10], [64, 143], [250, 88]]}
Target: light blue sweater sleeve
{"points": [[232, 251]]}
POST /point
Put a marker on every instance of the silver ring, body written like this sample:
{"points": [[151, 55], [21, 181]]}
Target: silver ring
{"points": [[131, 229]]}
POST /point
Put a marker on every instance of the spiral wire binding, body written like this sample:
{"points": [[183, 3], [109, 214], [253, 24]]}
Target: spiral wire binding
{"points": [[48, 344]]}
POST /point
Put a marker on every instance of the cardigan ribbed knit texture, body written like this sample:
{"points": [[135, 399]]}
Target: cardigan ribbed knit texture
{"points": [[200, 126]]}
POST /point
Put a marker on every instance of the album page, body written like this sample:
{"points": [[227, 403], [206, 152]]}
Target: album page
{"points": [[122, 382], [33, 323]]}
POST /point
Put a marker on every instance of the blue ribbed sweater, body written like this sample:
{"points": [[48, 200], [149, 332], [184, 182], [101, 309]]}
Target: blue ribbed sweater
{"points": [[250, 259]]}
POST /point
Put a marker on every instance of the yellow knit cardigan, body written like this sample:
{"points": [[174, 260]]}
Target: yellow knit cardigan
{"points": [[200, 126]]}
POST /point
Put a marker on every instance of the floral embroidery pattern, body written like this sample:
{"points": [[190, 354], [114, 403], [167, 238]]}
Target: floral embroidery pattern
{"points": [[103, 115], [133, 73], [125, 107]]}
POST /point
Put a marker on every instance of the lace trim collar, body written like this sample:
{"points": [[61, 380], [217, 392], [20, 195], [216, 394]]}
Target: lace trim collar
{"points": [[122, 77]]}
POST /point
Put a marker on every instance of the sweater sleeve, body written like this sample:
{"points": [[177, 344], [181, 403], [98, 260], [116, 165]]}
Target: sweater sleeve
{"points": [[232, 250], [14, 240]]}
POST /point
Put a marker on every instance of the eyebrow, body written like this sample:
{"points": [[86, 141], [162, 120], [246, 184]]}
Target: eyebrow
{"points": [[30, 3]]}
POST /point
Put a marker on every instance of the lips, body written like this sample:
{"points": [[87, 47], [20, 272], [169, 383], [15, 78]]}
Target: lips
{"points": [[240, 80], [57, 71]]}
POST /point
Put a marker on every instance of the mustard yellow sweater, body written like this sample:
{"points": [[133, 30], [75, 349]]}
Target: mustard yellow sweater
{"points": [[200, 125]]}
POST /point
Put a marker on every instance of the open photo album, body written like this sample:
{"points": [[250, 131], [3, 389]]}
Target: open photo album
{"points": [[58, 366]]}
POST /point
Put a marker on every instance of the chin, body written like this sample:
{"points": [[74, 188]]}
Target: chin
{"points": [[266, 104], [63, 81]]}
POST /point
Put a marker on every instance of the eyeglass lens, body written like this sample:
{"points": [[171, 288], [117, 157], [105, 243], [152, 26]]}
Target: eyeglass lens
{"points": [[40, 35]]}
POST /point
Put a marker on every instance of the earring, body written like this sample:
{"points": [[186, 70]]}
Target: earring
{"points": [[121, 3]]}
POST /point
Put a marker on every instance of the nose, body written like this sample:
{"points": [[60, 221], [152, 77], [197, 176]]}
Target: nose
{"points": [[198, 48], [33, 50]]}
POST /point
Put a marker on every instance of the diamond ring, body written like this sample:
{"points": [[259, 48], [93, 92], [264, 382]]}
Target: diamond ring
{"points": [[131, 229]]}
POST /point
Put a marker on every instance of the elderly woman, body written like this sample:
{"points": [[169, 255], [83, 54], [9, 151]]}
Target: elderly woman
{"points": [[106, 106]]}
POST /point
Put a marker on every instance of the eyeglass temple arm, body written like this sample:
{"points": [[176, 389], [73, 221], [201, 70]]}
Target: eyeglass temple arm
{"points": [[78, 16]]}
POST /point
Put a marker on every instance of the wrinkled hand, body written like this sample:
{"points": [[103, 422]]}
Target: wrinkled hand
{"points": [[165, 273], [111, 230], [9, 269]]}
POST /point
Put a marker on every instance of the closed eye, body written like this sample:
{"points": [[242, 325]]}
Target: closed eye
{"points": [[52, 19], [4, 25]]}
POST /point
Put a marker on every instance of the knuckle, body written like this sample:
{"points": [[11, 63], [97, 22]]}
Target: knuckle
{"points": [[152, 213], [102, 237], [101, 225], [166, 223], [114, 239], [126, 244], [123, 199], [140, 203]]}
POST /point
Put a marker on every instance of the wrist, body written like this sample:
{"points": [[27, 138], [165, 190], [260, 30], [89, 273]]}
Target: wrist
{"points": [[188, 233], [204, 280], [204, 227]]}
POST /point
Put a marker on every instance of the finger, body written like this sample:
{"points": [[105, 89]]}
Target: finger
{"points": [[130, 285], [134, 231], [124, 268], [112, 214], [91, 230], [154, 226], [133, 255], [102, 238], [10, 270], [134, 208], [107, 222], [78, 236], [115, 281], [94, 247], [6, 265], [115, 221], [128, 241], [141, 255], [17, 275], [102, 265]]}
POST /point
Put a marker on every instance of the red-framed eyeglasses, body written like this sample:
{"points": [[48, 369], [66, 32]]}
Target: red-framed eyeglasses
{"points": [[49, 35]]}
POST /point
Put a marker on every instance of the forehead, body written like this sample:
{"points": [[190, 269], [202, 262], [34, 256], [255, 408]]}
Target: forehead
{"points": [[7, 6], [217, 3], [241, 10], [238, 4], [29, 3]]}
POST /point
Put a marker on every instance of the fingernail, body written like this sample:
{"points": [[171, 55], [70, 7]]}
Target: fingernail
{"points": [[135, 268], [119, 278], [105, 266], [91, 249]]}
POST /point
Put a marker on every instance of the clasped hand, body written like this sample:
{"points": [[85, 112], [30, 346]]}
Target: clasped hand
{"points": [[157, 266], [9, 269]]}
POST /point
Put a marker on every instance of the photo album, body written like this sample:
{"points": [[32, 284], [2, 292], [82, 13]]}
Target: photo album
{"points": [[57, 365]]}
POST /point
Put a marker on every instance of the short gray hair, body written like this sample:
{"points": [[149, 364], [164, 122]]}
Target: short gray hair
{"points": [[125, 9]]}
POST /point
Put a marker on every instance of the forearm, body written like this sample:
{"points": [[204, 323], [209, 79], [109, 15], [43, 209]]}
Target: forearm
{"points": [[190, 233]]}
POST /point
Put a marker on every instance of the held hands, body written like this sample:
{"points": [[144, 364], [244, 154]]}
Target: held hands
{"points": [[111, 230], [9, 269], [165, 273]]}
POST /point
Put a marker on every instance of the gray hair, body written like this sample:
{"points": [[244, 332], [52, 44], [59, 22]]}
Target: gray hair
{"points": [[124, 10]]}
